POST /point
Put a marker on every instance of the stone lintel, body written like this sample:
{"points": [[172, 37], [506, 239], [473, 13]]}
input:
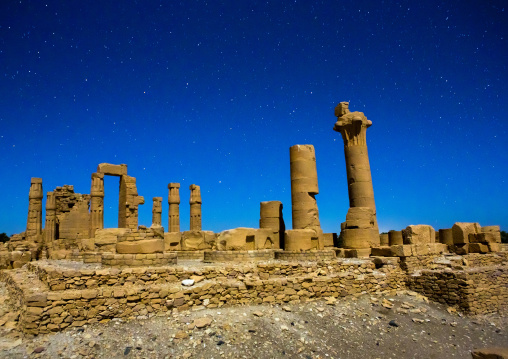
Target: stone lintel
{"points": [[112, 170]]}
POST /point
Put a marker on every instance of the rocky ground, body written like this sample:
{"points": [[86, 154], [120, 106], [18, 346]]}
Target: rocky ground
{"points": [[401, 325]]}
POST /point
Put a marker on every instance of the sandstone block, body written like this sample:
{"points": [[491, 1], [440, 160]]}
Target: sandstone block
{"points": [[401, 250], [419, 234], [446, 236], [383, 251], [357, 252], [494, 247], [142, 246], [112, 170], [108, 236], [360, 238], [486, 237], [384, 239], [488, 229], [329, 239], [395, 238], [301, 239], [360, 217], [461, 231], [247, 239], [194, 240], [172, 241], [478, 248]]}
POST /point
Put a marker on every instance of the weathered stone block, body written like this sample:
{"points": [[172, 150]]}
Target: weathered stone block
{"points": [[401, 250], [461, 231], [172, 241], [419, 234], [112, 170], [383, 251], [478, 248], [301, 239], [142, 246], [357, 252]]}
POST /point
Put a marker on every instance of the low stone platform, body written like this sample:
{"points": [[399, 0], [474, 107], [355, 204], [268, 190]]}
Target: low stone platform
{"points": [[239, 256]]}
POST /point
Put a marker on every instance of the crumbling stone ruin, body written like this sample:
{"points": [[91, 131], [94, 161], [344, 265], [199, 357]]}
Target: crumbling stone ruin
{"points": [[106, 273]]}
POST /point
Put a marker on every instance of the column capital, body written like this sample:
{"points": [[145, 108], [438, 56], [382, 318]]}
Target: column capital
{"points": [[352, 125]]}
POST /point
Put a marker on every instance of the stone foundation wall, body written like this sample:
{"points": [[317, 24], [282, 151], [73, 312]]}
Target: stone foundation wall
{"points": [[473, 291], [85, 296], [238, 256], [190, 255], [138, 260], [314, 255]]}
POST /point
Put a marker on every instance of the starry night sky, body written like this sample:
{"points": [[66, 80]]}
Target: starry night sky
{"points": [[214, 93]]}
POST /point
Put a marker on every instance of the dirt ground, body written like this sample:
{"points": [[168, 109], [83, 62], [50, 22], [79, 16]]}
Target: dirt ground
{"points": [[404, 325]]}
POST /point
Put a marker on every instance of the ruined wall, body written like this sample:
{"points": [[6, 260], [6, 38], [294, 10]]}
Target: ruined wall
{"points": [[473, 290], [72, 218], [137, 291]]}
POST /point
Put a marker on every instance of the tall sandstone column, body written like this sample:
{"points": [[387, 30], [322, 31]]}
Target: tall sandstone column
{"points": [[360, 229], [195, 208], [157, 212], [34, 221], [96, 203], [304, 187], [50, 226], [174, 207]]}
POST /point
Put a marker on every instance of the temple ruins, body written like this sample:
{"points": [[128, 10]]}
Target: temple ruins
{"points": [[135, 269]]}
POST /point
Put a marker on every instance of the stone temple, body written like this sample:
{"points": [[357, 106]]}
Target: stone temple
{"points": [[134, 269]]}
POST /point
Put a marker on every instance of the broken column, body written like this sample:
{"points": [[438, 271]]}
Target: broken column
{"points": [[304, 187], [195, 208], [97, 203], [271, 218], [128, 203], [157, 212], [34, 222], [361, 229], [50, 226], [174, 207]]}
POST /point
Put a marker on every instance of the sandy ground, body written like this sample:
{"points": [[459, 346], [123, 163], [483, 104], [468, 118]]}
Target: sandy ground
{"points": [[404, 325]]}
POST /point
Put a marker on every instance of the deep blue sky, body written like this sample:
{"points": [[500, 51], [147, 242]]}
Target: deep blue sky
{"points": [[216, 93]]}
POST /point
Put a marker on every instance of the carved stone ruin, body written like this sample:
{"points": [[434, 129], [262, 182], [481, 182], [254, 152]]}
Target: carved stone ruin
{"points": [[174, 207], [270, 214], [34, 222], [97, 203], [360, 229], [306, 233], [157, 212], [195, 208], [50, 226]]}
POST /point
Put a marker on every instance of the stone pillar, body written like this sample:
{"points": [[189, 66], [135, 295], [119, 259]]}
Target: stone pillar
{"points": [[157, 212], [96, 203], [304, 187], [306, 233], [395, 238], [353, 128], [271, 218], [34, 222], [50, 226], [195, 208], [128, 203], [174, 207]]}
